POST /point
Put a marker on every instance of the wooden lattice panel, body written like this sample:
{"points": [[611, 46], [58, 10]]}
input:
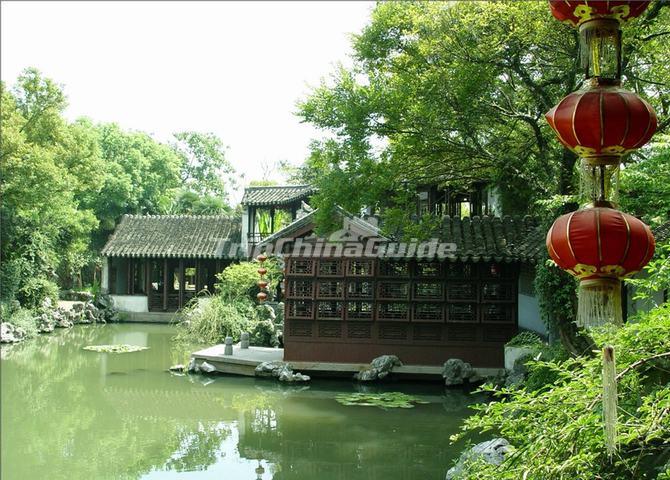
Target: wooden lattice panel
{"points": [[359, 330], [330, 268], [428, 269], [393, 311], [360, 310], [427, 333], [393, 290], [462, 292], [497, 292], [394, 269], [428, 312], [461, 333], [330, 330], [460, 270], [393, 331], [498, 313], [329, 310], [428, 290], [300, 289], [462, 313], [330, 289], [297, 328], [301, 266], [360, 268], [299, 309], [363, 290]]}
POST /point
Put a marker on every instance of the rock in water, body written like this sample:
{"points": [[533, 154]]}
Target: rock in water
{"points": [[455, 372], [177, 368], [379, 368], [10, 333], [280, 370], [207, 367], [492, 452]]}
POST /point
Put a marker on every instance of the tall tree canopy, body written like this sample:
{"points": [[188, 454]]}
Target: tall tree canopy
{"points": [[456, 92], [65, 185]]}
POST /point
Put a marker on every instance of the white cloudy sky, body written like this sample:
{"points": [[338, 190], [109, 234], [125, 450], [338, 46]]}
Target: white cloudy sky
{"points": [[232, 68]]}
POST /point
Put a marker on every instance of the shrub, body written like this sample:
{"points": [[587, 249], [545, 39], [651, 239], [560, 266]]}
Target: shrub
{"points": [[35, 290], [557, 428], [214, 319], [25, 319], [240, 279]]}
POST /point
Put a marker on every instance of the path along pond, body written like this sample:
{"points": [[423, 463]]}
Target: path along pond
{"points": [[68, 413]]}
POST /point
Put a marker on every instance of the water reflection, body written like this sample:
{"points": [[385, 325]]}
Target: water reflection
{"points": [[69, 413]]}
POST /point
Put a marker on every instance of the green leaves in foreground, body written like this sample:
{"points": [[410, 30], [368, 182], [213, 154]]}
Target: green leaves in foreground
{"points": [[115, 348], [381, 400]]}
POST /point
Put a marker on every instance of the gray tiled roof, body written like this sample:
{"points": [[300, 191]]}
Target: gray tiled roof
{"points": [[183, 236], [275, 195], [510, 238]]}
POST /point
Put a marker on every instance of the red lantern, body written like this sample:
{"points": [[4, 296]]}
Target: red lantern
{"points": [[262, 271], [576, 12], [262, 257], [262, 296], [262, 284], [600, 246], [603, 123]]}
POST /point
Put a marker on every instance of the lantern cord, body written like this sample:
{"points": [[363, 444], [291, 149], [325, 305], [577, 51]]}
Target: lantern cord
{"points": [[610, 400], [600, 51], [599, 303]]}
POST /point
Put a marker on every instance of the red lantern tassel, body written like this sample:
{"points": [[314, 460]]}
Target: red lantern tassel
{"points": [[610, 400], [599, 302]]}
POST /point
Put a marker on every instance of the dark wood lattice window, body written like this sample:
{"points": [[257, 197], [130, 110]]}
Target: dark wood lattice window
{"points": [[329, 310], [461, 333], [428, 312], [360, 310], [501, 292], [497, 313], [427, 333], [499, 333], [298, 328], [428, 269], [360, 268], [460, 270], [330, 289], [393, 311], [359, 330], [331, 268], [462, 313], [300, 308], [393, 269], [428, 291], [300, 289], [330, 330], [301, 266], [393, 332], [498, 270], [393, 290], [463, 292], [360, 290]]}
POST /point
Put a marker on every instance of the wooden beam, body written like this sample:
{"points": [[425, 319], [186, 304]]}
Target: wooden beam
{"points": [[181, 282], [165, 284], [198, 275]]}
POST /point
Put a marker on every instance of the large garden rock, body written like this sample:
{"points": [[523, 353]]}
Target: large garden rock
{"points": [[456, 372], [492, 452], [45, 323], [379, 368], [281, 371], [10, 333]]}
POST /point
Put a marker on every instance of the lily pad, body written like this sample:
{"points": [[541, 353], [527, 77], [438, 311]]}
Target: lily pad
{"points": [[115, 348], [382, 400]]}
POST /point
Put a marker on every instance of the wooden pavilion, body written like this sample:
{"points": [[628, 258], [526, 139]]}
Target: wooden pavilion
{"points": [[157, 263]]}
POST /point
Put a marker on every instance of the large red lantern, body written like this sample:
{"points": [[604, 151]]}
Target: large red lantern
{"points": [[603, 123], [600, 246], [576, 12]]}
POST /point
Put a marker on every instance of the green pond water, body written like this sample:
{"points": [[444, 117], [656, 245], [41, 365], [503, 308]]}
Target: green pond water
{"points": [[73, 414]]}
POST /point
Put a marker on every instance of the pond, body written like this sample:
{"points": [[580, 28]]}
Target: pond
{"points": [[73, 414]]}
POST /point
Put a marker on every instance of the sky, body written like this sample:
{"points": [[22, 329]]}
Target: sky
{"points": [[236, 69]]}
